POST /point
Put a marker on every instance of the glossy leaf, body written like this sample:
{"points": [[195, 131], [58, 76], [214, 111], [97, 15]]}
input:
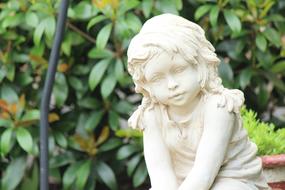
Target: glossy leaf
{"points": [[232, 20], [273, 36], [147, 7], [82, 174], [97, 73], [39, 33], [49, 27], [9, 94], [278, 67], [107, 175], [245, 77], [5, 143], [126, 151], [32, 19], [103, 36], [96, 53], [60, 89], [133, 164], [13, 174], [95, 20], [25, 139], [261, 42], [93, 120], [140, 175], [108, 85], [201, 11], [70, 175], [110, 145], [214, 14], [113, 119]]}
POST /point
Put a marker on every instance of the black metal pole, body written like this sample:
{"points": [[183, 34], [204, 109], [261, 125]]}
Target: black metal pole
{"points": [[45, 101]]}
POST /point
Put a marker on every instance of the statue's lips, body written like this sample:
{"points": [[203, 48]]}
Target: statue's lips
{"points": [[177, 95]]}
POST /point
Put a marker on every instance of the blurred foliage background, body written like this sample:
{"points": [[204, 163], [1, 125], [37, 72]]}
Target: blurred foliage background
{"points": [[90, 146]]}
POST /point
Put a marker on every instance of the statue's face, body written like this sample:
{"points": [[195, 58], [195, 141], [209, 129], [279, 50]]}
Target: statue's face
{"points": [[171, 80]]}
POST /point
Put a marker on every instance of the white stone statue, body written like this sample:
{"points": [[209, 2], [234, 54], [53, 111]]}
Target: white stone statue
{"points": [[192, 129]]}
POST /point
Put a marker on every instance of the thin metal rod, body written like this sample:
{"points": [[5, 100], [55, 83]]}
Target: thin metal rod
{"points": [[45, 101]]}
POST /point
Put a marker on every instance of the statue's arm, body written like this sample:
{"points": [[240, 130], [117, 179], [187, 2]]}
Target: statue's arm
{"points": [[157, 156], [218, 127]]}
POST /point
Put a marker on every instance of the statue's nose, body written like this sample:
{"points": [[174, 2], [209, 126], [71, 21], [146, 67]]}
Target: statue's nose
{"points": [[172, 84]]}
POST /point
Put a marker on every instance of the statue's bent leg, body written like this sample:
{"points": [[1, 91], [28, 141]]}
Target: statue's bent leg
{"points": [[232, 184]]}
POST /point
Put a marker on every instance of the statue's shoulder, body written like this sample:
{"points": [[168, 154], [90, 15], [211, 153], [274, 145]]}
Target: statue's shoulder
{"points": [[229, 99]]}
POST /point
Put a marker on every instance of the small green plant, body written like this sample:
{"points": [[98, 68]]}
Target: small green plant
{"points": [[268, 139]]}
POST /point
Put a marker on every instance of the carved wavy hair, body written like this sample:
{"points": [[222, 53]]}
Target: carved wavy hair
{"points": [[174, 34]]}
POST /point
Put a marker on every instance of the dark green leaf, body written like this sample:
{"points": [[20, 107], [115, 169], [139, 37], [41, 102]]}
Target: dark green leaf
{"points": [[179, 4], [5, 123], [82, 174], [70, 175], [6, 138], [95, 20], [244, 78], [76, 83], [84, 10], [96, 53], [232, 20], [31, 115], [11, 72], [103, 36], [93, 120], [113, 120], [273, 36], [108, 86], [278, 67], [225, 72], [123, 107], [261, 42], [13, 174], [8, 94], [60, 89], [214, 14], [49, 23], [25, 139], [107, 175], [61, 160], [12, 20], [201, 11], [97, 72], [110, 144], [119, 69], [133, 164], [147, 7], [32, 19], [39, 33], [126, 151], [140, 175], [126, 5], [89, 102], [133, 22], [60, 139]]}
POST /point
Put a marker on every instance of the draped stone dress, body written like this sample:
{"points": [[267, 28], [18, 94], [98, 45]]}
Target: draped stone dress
{"points": [[182, 140]]}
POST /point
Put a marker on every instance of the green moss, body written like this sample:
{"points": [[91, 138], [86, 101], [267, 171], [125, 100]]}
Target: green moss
{"points": [[268, 140]]}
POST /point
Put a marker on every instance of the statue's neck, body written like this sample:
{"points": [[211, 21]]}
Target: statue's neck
{"points": [[184, 113]]}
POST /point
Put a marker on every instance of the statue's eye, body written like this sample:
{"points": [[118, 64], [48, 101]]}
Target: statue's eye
{"points": [[156, 78], [179, 69]]}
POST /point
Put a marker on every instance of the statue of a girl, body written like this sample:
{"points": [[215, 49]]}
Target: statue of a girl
{"points": [[193, 133]]}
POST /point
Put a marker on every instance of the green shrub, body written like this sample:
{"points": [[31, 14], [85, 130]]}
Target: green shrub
{"points": [[93, 94], [249, 36], [268, 140]]}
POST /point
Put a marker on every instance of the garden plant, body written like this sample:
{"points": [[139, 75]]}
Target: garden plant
{"points": [[90, 146]]}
